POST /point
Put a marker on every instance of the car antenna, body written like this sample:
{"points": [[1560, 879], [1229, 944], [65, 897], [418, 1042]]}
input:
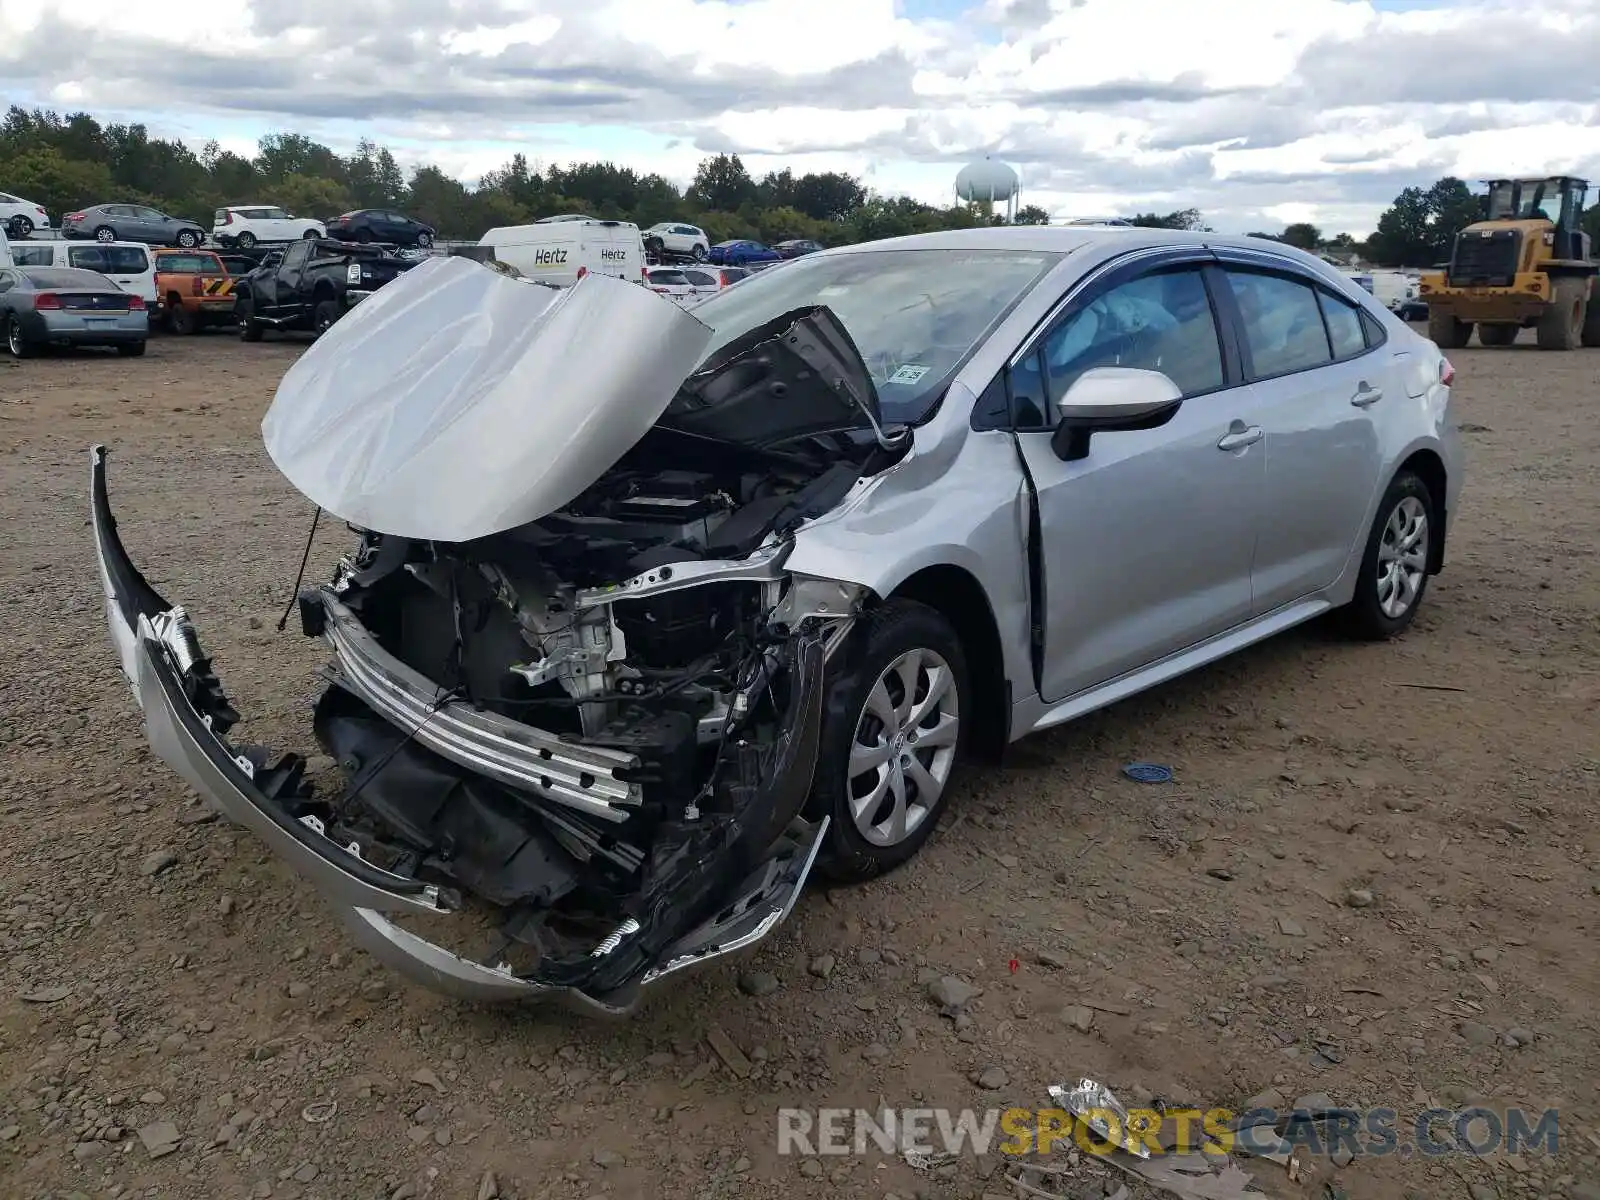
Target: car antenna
{"points": [[300, 575]]}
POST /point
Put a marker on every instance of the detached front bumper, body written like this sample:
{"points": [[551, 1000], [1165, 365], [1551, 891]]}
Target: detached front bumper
{"points": [[186, 719]]}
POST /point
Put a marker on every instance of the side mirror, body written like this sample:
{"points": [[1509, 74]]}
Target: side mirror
{"points": [[1112, 399]]}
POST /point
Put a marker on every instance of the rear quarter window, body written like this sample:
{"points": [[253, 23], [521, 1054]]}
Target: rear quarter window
{"points": [[32, 256], [109, 260]]}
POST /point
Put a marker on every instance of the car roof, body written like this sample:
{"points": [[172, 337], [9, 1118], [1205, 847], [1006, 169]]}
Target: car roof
{"points": [[1062, 239]]}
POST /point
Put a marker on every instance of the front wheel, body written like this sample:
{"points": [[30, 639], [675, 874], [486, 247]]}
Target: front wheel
{"points": [[701, 253], [425, 241], [188, 239], [249, 327], [892, 737], [1394, 568], [21, 228], [1561, 326]]}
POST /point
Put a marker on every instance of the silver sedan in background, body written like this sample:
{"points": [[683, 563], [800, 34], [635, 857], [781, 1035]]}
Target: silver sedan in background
{"points": [[750, 578], [65, 306]]}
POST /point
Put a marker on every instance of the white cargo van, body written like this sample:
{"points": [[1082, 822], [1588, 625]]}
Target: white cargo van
{"points": [[129, 265], [562, 252]]}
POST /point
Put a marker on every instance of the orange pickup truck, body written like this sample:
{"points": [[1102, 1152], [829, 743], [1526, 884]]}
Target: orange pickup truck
{"points": [[195, 289]]}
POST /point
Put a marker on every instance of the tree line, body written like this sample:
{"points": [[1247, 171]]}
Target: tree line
{"points": [[72, 161]]}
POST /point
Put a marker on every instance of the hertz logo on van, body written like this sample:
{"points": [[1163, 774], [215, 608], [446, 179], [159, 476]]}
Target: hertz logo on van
{"points": [[613, 256], [550, 258]]}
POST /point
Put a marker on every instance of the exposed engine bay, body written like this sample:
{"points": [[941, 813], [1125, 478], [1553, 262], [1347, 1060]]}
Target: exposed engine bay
{"points": [[599, 725]]}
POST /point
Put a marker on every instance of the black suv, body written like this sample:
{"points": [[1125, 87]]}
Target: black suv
{"points": [[381, 225]]}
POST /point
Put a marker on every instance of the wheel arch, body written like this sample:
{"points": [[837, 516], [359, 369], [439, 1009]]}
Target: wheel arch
{"points": [[956, 594]]}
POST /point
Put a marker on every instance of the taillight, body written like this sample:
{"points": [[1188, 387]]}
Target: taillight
{"points": [[39, 208], [135, 303], [78, 216], [1447, 373], [227, 218], [197, 286], [47, 300], [582, 271]]}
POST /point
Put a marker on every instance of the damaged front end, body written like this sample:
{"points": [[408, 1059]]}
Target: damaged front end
{"points": [[592, 731]]}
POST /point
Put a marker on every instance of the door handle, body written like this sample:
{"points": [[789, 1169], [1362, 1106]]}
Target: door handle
{"points": [[1238, 439], [1366, 396]]}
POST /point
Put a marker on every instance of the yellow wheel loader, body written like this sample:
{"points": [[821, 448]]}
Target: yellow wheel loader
{"points": [[1527, 265]]}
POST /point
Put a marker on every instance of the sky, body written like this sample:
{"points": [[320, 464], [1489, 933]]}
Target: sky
{"points": [[1257, 112]]}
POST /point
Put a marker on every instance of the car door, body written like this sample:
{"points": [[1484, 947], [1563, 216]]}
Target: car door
{"points": [[1317, 385], [1145, 544]]}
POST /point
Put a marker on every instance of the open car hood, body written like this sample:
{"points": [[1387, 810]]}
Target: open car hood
{"points": [[456, 402]]}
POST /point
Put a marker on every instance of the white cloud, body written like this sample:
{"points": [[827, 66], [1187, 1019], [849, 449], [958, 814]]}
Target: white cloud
{"points": [[1252, 110]]}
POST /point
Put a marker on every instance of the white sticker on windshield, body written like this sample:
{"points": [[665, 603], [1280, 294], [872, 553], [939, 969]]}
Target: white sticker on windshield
{"points": [[910, 373], [833, 290]]}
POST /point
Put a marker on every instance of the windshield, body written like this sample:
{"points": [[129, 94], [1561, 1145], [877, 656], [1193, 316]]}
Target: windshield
{"points": [[915, 315]]}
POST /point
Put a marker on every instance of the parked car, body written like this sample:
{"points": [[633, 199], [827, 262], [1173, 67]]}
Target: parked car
{"points": [[563, 252], [19, 217], [669, 281], [739, 591], [194, 288], [55, 306], [310, 285], [676, 238], [1412, 310], [741, 253], [797, 247], [247, 225], [380, 225], [127, 264], [709, 280], [132, 223]]}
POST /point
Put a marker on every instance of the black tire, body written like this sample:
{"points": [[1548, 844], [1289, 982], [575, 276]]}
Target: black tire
{"points": [[1498, 335], [425, 241], [188, 239], [104, 233], [246, 241], [20, 228], [1364, 617], [310, 235], [1446, 332], [700, 253], [324, 315], [250, 329], [877, 643], [1591, 319], [179, 319], [131, 349], [1561, 326], [17, 342]]}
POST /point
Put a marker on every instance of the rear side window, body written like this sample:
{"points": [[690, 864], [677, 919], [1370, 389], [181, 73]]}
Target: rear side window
{"points": [[1344, 326], [32, 256], [109, 260], [1283, 327], [1373, 329]]}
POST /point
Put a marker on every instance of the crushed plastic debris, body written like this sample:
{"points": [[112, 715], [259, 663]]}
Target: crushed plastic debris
{"points": [[1093, 1103]]}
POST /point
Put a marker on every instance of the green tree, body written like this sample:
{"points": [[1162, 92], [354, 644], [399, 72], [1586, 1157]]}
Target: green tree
{"points": [[309, 196], [46, 176], [1184, 218], [1302, 235], [722, 184], [1420, 227], [1032, 214]]}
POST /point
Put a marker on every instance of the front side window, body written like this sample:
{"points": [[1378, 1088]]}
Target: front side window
{"points": [[1159, 322], [1282, 320], [914, 315], [296, 254]]}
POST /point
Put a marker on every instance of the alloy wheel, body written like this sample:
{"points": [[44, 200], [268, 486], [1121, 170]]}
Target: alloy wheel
{"points": [[1402, 557], [14, 339], [904, 747], [105, 234]]}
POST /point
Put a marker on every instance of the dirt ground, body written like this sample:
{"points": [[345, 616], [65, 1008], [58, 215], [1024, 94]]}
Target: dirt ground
{"points": [[1377, 868]]}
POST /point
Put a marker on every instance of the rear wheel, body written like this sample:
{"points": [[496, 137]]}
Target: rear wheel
{"points": [[892, 737], [131, 349], [21, 228], [700, 253], [1498, 335], [425, 240], [364, 236], [179, 319], [1561, 327], [310, 235], [105, 234], [1394, 568], [247, 240], [16, 341], [324, 315], [1446, 331]]}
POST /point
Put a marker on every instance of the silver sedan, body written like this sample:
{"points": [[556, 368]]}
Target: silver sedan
{"points": [[654, 609], [66, 306]]}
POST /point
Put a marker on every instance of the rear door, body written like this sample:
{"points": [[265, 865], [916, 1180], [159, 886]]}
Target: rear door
{"points": [[1317, 384], [614, 248]]}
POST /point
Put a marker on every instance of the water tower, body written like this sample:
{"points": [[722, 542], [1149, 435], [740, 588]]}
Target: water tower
{"points": [[987, 180]]}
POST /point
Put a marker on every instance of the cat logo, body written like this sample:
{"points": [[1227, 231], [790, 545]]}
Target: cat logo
{"points": [[550, 258]]}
